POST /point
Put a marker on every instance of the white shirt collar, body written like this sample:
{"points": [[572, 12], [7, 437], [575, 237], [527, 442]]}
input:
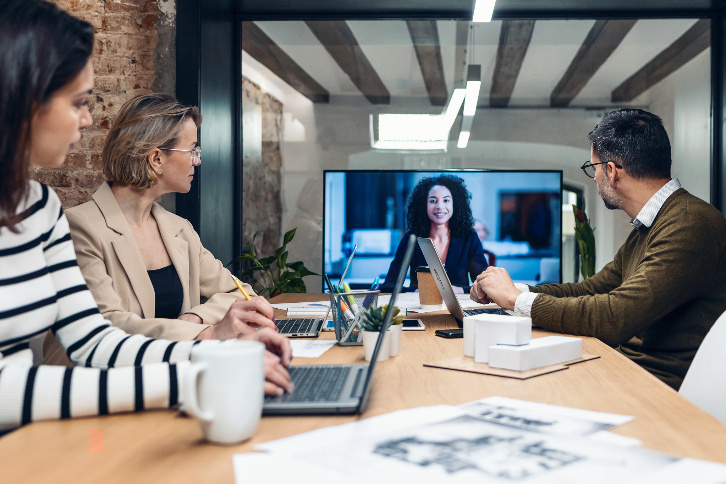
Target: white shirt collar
{"points": [[650, 210]]}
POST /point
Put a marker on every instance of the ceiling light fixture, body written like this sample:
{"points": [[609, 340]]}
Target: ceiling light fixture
{"points": [[483, 10], [452, 110], [473, 84]]}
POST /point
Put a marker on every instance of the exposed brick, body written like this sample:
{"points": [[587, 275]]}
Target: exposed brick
{"points": [[77, 159], [124, 64], [132, 6], [70, 197], [92, 140], [107, 84], [87, 179], [96, 162], [53, 177]]}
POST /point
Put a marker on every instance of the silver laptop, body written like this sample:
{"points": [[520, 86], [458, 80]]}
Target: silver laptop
{"points": [[442, 282], [299, 327], [342, 389]]}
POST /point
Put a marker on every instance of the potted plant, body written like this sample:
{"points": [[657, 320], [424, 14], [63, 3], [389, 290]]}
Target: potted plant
{"points": [[584, 233], [273, 275], [372, 321]]}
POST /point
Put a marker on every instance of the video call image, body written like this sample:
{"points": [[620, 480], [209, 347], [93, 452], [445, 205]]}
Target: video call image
{"points": [[517, 216]]}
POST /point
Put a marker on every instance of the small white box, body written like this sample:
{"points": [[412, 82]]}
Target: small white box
{"points": [[540, 352], [493, 329]]}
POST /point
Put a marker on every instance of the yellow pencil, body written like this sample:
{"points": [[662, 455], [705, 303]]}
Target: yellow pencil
{"points": [[241, 289]]}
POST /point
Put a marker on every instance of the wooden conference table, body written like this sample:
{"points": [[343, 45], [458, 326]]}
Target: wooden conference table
{"points": [[164, 446]]}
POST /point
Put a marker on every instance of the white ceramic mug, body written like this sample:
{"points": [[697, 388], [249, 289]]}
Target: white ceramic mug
{"points": [[224, 389]]}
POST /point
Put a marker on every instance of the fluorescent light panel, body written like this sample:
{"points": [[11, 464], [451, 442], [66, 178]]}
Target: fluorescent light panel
{"points": [[452, 110], [409, 132], [473, 85], [483, 11], [463, 139]]}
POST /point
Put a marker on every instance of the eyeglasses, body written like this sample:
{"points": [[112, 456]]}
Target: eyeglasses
{"points": [[589, 168], [196, 154]]}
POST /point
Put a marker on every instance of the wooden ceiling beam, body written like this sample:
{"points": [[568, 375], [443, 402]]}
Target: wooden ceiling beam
{"points": [[341, 44], [425, 38], [514, 38], [604, 37], [257, 44], [686, 47]]}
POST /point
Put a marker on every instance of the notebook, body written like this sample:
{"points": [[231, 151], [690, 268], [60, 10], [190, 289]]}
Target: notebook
{"points": [[300, 327], [335, 389], [442, 282]]}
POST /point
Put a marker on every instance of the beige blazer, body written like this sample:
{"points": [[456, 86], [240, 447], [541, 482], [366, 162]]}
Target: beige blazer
{"points": [[115, 273]]}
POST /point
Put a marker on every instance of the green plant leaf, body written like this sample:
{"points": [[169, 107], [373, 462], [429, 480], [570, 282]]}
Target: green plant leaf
{"points": [[288, 236]]}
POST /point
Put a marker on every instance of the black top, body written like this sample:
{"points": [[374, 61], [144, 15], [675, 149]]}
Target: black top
{"points": [[464, 260], [168, 292]]}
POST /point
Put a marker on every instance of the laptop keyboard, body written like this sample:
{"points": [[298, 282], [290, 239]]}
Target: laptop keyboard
{"points": [[474, 312], [298, 325], [318, 383]]}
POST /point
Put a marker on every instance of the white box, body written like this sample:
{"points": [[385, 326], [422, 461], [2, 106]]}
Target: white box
{"points": [[493, 329], [540, 352]]}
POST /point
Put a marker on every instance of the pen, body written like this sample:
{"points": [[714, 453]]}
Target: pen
{"points": [[330, 286], [241, 289], [369, 298], [351, 299], [247, 296]]}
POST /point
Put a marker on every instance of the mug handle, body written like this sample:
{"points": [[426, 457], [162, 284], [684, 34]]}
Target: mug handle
{"points": [[189, 389]]}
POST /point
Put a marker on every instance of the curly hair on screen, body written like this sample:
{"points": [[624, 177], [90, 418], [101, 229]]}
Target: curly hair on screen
{"points": [[461, 222]]}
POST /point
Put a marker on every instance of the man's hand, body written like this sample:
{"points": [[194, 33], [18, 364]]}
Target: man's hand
{"points": [[243, 317], [495, 285]]}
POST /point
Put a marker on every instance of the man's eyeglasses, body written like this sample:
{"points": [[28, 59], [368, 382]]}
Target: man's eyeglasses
{"points": [[196, 154], [589, 168]]}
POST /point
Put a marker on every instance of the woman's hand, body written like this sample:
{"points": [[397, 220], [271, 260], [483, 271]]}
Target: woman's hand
{"points": [[277, 344], [243, 317], [277, 359]]}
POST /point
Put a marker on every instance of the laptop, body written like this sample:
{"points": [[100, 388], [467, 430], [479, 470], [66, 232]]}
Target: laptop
{"points": [[442, 282], [335, 389], [300, 327], [307, 327]]}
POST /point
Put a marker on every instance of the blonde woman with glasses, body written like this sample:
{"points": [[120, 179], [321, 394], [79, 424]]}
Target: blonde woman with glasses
{"points": [[145, 266]]}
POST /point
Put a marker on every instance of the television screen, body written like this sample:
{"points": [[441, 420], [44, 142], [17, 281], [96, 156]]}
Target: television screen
{"points": [[517, 216]]}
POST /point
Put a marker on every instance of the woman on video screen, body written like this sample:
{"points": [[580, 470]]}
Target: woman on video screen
{"points": [[439, 209]]}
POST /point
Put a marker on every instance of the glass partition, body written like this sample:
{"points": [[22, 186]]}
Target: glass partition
{"points": [[373, 95]]}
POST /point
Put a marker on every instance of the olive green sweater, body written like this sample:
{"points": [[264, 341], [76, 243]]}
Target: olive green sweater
{"points": [[658, 298]]}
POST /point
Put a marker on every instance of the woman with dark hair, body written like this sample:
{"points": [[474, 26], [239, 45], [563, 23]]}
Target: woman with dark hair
{"points": [[438, 208], [45, 79]]}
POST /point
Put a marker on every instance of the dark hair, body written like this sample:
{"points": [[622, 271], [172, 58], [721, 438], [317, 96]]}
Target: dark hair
{"points": [[42, 48], [634, 139], [461, 222]]}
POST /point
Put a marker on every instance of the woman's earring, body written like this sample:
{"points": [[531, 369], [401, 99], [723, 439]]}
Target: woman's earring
{"points": [[159, 171]]}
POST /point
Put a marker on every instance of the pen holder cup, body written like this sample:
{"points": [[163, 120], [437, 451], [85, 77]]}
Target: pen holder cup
{"points": [[348, 308]]}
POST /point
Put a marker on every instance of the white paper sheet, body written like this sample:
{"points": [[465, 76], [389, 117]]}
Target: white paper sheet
{"points": [[464, 449], [255, 467], [310, 348], [535, 408], [324, 305]]}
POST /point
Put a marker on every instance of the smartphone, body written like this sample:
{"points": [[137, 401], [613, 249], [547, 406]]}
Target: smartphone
{"points": [[413, 325], [450, 333]]}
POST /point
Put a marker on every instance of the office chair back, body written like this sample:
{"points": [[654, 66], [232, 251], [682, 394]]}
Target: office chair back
{"points": [[705, 382]]}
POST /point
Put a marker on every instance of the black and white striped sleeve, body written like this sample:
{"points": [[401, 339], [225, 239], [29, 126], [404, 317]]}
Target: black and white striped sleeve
{"points": [[41, 287]]}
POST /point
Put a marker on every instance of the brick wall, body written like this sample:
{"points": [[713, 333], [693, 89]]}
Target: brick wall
{"points": [[125, 59]]}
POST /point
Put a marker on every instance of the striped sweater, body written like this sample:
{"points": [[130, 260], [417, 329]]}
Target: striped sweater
{"points": [[42, 288]]}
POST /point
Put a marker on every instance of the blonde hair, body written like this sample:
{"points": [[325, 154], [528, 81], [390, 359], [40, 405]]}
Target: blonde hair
{"points": [[143, 124]]}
